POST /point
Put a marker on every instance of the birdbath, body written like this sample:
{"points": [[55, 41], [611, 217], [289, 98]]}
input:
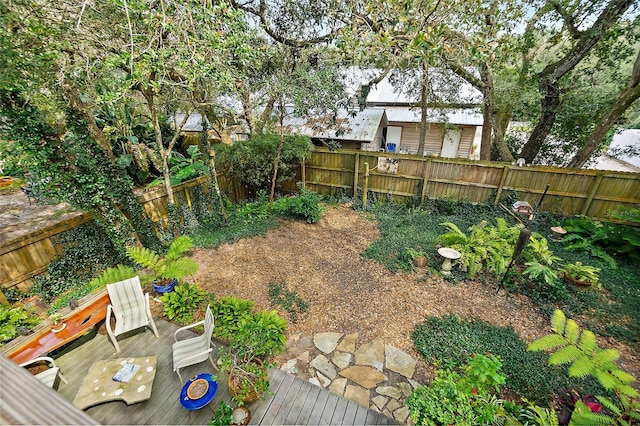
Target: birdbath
{"points": [[558, 232], [449, 254]]}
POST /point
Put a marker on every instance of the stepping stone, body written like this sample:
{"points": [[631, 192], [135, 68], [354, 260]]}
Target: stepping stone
{"points": [[372, 354], [348, 344], [323, 365], [327, 342], [341, 359], [304, 357], [399, 361], [366, 377], [324, 381], [414, 384], [393, 405], [357, 394], [287, 366], [401, 414], [405, 388], [338, 385], [390, 391], [379, 401], [315, 381]]}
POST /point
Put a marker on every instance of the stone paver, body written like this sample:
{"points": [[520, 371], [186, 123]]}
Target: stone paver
{"points": [[379, 401], [364, 375], [357, 394], [390, 391], [372, 354], [341, 359], [338, 385], [327, 342], [399, 361], [323, 365], [348, 344]]}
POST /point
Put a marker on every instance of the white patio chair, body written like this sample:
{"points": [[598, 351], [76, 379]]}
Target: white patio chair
{"points": [[193, 350], [49, 376], [129, 307]]}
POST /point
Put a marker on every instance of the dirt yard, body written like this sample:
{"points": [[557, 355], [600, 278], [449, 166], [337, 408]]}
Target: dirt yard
{"points": [[347, 293]]}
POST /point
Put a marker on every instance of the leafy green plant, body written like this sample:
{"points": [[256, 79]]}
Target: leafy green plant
{"points": [[223, 416], [580, 350], [184, 167], [12, 318], [536, 270], [289, 300], [305, 205], [582, 273], [171, 265], [228, 311], [461, 399], [181, 303]]}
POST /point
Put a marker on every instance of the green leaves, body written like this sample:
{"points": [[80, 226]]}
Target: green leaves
{"points": [[181, 303]]}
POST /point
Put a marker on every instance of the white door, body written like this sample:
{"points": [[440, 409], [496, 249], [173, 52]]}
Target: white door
{"points": [[394, 134], [451, 143]]}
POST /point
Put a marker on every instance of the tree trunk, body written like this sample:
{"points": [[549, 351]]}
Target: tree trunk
{"points": [[627, 97], [277, 160], [549, 77], [424, 94], [94, 130]]}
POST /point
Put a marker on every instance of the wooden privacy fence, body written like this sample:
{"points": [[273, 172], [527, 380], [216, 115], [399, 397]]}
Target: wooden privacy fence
{"points": [[25, 256], [571, 191]]}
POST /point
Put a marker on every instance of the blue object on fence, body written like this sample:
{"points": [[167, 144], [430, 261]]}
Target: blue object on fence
{"points": [[391, 147]]}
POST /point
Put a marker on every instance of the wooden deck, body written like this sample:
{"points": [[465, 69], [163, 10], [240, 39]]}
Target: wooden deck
{"points": [[294, 401]]}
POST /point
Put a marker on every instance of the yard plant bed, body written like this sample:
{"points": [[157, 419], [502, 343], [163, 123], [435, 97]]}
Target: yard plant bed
{"points": [[347, 293]]}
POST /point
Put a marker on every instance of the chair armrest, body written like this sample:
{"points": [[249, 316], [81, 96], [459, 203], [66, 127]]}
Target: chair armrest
{"points": [[186, 327], [107, 322], [39, 359]]}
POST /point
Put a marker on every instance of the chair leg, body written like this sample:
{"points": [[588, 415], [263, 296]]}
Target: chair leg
{"points": [[153, 328], [213, 363], [62, 377], [179, 376]]}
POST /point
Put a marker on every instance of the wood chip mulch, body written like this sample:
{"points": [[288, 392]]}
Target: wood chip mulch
{"points": [[347, 293]]}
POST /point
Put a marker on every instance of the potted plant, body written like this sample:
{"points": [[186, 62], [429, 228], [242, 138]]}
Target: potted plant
{"points": [[417, 257], [581, 275], [257, 338], [165, 271], [57, 322]]}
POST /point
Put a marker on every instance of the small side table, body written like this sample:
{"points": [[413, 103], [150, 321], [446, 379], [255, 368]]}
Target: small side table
{"points": [[196, 404]]}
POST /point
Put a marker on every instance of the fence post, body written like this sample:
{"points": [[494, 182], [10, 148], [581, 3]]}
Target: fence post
{"points": [[365, 185], [592, 193], [356, 169], [304, 174], [425, 180], [503, 179]]}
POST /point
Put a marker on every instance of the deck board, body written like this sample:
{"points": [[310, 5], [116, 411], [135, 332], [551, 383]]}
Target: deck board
{"points": [[293, 400]]}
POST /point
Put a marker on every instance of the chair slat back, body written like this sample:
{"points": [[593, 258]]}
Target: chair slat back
{"points": [[127, 299]]}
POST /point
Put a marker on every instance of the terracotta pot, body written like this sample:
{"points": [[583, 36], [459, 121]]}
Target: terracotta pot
{"points": [[581, 285], [234, 382], [240, 416], [420, 261]]}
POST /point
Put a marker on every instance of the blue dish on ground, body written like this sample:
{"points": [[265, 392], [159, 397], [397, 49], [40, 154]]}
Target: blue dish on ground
{"points": [[196, 404]]}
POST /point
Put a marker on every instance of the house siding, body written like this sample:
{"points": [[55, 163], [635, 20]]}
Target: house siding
{"points": [[433, 139]]}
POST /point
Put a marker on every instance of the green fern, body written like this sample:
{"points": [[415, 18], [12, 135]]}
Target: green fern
{"points": [[582, 415], [548, 342], [178, 247], [144, 257], [112, 275], [558, 321], [172, 265]]}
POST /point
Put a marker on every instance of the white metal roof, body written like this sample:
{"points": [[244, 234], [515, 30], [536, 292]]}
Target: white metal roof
{"points": [[361, 127], [193, 124], [459, 116]]}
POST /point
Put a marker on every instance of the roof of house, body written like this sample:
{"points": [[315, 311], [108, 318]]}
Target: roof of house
{"points": [[459, 116], [193, 124], [361, 126], [622, 153]]}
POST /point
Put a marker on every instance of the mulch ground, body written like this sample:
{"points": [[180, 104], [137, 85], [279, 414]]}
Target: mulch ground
{"points": [[347, 293]]}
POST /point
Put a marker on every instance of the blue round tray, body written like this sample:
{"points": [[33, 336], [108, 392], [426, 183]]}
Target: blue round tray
{"points": [[196, 404]]}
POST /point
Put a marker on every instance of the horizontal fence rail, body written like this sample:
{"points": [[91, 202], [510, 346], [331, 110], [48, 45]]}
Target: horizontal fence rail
{"points": [[571, 191]]}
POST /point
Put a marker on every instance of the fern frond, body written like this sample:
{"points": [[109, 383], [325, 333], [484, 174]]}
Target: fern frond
{"points": [[143, 256], [627, 390], [180, 268], [565, 355], [588, 342], [609, 405], [582, 415], [550, 341], [572, 331], [623, 376], [558, 321], [179, 246], [605, 378], [112, 275], [605, 359], [581, 367]]}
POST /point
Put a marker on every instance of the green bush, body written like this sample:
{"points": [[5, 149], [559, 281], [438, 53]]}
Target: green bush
{"points": [[251, 162], [11, 319], [449, 341], [227, 311], [181, 303], [305, 205]]}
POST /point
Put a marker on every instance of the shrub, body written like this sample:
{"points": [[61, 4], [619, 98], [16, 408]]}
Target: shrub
{"points": [[12, 319], [305, 205], [181, 303], [228, 311]]}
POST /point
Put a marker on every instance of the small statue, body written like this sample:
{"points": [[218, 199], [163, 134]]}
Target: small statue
{"points": [[73, 304]]}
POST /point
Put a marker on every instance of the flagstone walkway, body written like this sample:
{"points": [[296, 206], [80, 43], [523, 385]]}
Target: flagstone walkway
{"points": [[374, 375]]}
